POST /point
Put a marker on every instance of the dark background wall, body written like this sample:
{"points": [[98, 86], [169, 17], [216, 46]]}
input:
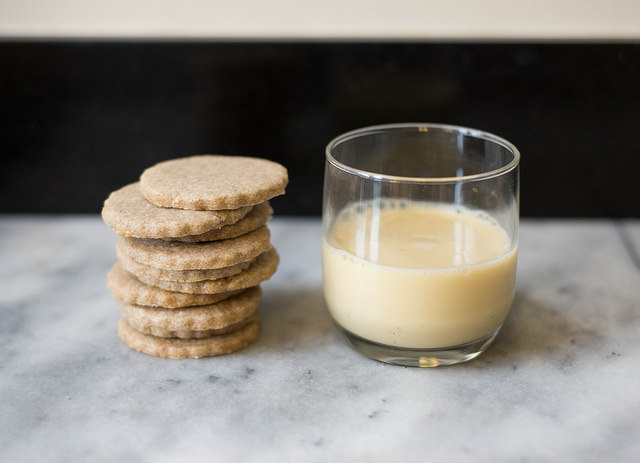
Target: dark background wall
{"points": [[80, 119]]}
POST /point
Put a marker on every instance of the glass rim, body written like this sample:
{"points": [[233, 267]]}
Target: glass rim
{"points": [[476, 133]]}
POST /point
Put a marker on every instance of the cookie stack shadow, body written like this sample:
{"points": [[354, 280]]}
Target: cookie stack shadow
{"points": [[192, 251]]}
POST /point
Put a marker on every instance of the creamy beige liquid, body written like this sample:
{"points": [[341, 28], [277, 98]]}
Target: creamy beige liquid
{"points": [[429, 277]]}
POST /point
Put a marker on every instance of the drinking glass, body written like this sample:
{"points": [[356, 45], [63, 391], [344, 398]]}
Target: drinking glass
{"points": [[419, 240]]}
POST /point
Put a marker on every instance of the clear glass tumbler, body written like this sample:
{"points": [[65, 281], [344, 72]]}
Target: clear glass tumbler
{"points": [[419, 240]]}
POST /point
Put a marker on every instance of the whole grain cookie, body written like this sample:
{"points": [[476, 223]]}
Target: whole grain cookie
{"points": [[188, 348], [141, 270], [128, 213], [174, 255], [213, 182], [257, 217], [193, 322], [186, 334], [126, 287], [260, 270]]}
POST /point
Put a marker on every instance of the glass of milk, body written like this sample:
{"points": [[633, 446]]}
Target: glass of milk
{"points": [[420, 239]]}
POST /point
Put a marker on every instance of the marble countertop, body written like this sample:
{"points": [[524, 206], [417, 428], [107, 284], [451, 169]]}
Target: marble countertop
{"points": [[560, 383]]}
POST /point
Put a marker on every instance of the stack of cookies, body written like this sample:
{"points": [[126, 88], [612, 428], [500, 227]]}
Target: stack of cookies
{"points": [[193, 249]]}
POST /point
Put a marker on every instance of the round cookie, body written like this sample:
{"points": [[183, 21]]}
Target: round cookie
{"points": [[188, 348], [174, 255], [194, 322], [260, 270], [186, 334], [213, 182], [257, 217], [126, 287], [128, 213], [141, 270]]}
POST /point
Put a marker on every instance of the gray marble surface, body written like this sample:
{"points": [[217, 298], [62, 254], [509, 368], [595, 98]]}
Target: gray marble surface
{"points": [[560, 383]]}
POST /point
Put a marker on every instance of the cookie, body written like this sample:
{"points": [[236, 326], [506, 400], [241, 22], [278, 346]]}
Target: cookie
{"points": [[194, 322], [260, 270], [188, 348], [173, 255], [213, 182], [126, 287], [186, 334], [141, 270], [128, 213], [257, 217]]}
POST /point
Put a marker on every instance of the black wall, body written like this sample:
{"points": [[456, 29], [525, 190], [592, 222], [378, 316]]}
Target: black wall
{"points": [[78, 119]]}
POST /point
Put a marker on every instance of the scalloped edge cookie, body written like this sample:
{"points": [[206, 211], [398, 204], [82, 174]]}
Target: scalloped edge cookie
{"points": [[126, 287], [176, 348], [216, 316], [213, 182], [128, 213], [260, 270], [175, 255]]}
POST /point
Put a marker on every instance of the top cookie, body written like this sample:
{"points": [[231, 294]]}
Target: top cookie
{"points": [[213, 182]]}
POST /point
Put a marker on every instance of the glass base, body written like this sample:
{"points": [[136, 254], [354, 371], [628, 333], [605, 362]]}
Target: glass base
{"points": [[421, 358]]}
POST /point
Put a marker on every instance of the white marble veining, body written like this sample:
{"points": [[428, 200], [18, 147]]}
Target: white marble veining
{"points": [[560, 383]]}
